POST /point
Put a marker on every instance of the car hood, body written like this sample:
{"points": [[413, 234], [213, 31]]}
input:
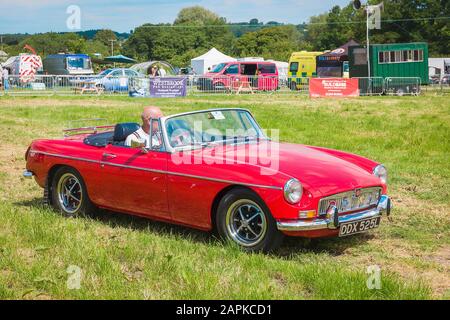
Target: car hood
{"points": [[320, 172]]}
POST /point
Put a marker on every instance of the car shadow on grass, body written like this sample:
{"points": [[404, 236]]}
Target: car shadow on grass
{"points": [[292, 246]]}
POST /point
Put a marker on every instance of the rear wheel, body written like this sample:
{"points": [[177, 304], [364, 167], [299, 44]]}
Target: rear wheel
{"points": [[69, 193], [244, 219]]}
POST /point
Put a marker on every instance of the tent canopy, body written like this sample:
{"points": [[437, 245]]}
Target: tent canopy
{"points": [[120, 59], [211, 58], [145, 67]]}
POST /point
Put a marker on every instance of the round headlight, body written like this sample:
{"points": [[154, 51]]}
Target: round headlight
{"points": [[293, 191], [381, 172]]}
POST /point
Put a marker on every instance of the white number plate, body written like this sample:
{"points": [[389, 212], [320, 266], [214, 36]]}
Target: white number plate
{"points": [[360, 226]]}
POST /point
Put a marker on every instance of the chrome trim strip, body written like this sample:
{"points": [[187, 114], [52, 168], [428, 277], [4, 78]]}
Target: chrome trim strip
{"points": [[224, 181], [157, 171], [328, 223]]}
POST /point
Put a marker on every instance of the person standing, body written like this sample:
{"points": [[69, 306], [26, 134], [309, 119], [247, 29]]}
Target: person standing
{"points": [[5, 75]]}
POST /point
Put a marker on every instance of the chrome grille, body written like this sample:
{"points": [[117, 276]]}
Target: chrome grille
{"points": [[358, 199]]}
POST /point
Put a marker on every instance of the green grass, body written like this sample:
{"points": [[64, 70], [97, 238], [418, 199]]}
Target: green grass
{"points": [[124, 257]]}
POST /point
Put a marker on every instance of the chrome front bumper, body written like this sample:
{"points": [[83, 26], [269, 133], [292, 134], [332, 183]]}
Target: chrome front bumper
{"points": [[333, 221]]}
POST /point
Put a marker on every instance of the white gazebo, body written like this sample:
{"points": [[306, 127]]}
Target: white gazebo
{"points": [[282, 69], [3, 56], [213, 57]]}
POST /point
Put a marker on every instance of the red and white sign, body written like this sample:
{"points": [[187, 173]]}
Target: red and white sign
{"points": [[28, 66], [333, 87]]}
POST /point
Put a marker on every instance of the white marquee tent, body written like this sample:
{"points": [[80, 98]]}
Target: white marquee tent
{"points": [[282, 69], [208, 60]]}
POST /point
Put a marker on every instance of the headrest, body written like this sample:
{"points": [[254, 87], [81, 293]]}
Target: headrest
{"points": [[123, 130]]}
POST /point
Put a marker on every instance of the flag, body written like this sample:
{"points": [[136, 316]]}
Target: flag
{"points": [[374, 16]]}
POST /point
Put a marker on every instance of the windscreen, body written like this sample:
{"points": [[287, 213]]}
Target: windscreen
{"points": [[218, 68], [78, 63], [226, 126]]}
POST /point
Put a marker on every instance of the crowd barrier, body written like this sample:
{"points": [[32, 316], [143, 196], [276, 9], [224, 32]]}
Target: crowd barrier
{"points": [[48, 85], [402, 86]]}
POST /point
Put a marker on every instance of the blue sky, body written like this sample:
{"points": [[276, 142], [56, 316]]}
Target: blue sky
{"points": [[50, 15]]}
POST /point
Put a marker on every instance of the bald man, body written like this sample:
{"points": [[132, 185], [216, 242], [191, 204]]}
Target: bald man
{"points": [[140, 138]]}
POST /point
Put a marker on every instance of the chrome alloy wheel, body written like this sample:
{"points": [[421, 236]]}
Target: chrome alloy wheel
{"points": [[70, 193], [246, 223]]}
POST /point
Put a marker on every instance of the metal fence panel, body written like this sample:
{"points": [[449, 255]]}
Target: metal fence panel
{"points": [[370, 86], [33, 86], [402, 86], [241, 84], [200, 85], [92, 85]]}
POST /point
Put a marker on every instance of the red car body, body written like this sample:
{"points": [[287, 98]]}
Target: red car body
{"points": [[154, 185], [234, 74]]}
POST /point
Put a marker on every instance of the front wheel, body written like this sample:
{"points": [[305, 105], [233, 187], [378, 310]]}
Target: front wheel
{"points": [[69, 193], [244, 219]]}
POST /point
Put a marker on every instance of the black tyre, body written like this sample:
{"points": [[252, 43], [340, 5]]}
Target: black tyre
{"points": [[69, 193], [243, 218]]}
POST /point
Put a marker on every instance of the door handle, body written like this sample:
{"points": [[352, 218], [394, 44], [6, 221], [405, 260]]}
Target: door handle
{"points": [[109, 155]]}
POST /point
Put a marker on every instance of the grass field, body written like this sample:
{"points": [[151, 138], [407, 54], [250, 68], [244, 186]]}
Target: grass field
{"points": [[123, 257]]}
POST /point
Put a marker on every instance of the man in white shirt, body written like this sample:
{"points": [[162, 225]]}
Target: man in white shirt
{"points": [[140, 138]]}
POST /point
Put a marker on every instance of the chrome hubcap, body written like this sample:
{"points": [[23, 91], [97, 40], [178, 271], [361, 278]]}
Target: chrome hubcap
{"points": [[246, 223], [69, 192]]}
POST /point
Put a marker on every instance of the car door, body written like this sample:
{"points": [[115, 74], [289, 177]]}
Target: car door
{"points": [[134, 181], [232, 74]]}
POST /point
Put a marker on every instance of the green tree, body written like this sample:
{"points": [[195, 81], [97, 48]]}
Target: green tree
{"points": [[105, 36], [195, 30], [50, 43], [402, 21], [271, 43]]}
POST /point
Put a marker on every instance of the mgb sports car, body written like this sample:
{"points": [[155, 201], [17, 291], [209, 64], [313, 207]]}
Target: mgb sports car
{"points": [[212, 170]]}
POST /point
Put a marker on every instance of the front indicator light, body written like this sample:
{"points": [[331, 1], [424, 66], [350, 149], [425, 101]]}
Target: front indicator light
{"points": [[307, 214]]}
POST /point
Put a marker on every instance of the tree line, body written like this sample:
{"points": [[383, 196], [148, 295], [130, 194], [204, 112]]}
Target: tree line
{"points": [[196, 30]]}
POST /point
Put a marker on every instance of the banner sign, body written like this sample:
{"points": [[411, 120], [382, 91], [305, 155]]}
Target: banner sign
{"points": [[333, 87], [168, 87]]}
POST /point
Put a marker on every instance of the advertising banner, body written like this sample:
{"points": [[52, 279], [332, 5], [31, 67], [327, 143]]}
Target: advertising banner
{"points": [[333, 87], [168, 87]]}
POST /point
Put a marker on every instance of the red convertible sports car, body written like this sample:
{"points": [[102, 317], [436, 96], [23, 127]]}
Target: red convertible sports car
{"points": [[213, 169]]}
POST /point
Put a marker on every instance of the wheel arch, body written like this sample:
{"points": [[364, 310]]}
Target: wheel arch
{"points": [[48, 182], [222, 193]]}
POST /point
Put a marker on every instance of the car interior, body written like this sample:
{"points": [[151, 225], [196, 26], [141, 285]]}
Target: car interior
{"points": [[116, 137]]}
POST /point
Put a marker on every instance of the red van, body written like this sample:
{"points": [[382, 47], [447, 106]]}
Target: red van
{"points": [[229, 76]]}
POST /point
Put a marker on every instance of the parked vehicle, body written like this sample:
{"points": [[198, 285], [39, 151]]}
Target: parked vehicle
{"points": [[68, 64], [186, 177], [23, 68], [226, 76], [116, 80], [302, 65]]}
